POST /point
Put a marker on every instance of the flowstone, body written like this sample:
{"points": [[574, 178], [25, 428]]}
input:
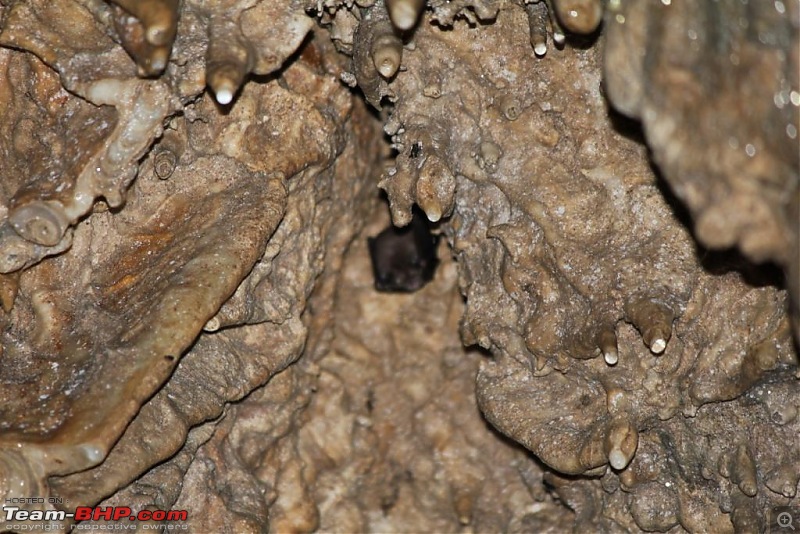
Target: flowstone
{"points": [[189, 315]]}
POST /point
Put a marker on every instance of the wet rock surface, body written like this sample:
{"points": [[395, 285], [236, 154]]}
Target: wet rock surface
{"points": [[716, 102], [189, 319]]}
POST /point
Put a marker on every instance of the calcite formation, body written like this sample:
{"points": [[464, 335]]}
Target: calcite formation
{"points": [[189, 315], [729, 80]]}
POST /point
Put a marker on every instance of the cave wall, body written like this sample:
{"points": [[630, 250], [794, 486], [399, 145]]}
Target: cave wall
{"points": [[188, 314]]}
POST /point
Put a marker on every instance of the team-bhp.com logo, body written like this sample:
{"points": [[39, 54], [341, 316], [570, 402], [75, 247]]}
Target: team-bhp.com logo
{"points": [[19, 519]]}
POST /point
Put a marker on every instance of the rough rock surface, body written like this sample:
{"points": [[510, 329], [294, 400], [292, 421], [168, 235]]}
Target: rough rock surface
{"points": [[729, 82], [189, 320]]}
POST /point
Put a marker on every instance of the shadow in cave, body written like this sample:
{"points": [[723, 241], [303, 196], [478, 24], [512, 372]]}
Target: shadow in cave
{"points": [[723, 261], [714, 262], [622, 124]]}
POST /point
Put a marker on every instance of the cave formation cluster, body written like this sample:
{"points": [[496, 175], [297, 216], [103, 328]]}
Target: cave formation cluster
{"points": [[188, 313]]}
